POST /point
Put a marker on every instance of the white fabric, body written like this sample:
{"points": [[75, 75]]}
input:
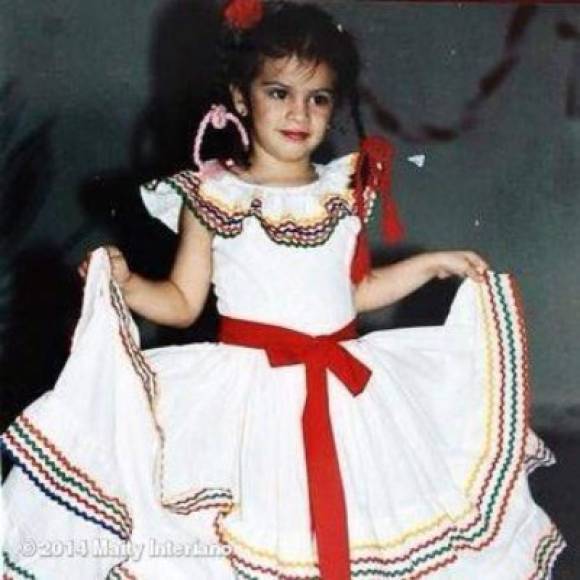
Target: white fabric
{"points": [[286, 286], [218, 417]]}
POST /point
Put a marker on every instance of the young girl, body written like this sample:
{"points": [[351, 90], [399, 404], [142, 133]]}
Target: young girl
{"points": [[290, 448]]}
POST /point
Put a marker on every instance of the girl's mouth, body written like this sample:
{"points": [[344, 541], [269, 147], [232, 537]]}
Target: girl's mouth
{"points": [[295, 135]]}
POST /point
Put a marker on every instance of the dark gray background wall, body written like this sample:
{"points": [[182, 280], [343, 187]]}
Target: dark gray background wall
{"points": [[96, 97]]}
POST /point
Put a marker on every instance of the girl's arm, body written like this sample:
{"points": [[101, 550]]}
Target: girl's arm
{"points": [[179, 300], [388, 284]]}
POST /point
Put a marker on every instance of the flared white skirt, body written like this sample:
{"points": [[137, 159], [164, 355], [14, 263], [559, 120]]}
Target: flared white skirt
{"points": [[188, 462]]}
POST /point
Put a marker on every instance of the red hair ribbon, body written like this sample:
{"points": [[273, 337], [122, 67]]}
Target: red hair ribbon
{"points": [[374, 171], [243, 14]]}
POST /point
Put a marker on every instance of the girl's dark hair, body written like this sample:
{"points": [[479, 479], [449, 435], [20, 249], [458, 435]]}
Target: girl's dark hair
{"points": [[290, 29]]}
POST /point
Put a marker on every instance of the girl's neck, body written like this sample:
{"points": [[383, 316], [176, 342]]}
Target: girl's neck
{"points": [[279, 173]]}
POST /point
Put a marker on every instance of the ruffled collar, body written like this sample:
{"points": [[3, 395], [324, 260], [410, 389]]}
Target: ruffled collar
{"points": [[300, 215], [334, 176]]}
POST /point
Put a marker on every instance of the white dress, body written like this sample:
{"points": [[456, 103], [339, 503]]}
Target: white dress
{"points": [[188, 461]]}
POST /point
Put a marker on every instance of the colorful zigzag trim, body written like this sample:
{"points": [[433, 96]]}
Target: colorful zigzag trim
{"points": [[227, 221], [63, 482]]}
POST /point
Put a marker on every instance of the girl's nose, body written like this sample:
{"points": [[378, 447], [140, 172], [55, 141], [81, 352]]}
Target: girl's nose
{"points": [[298, 109]]}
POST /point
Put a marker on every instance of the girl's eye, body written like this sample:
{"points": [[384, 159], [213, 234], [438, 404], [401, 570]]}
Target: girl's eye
{"points": [[278, 94], [322, 100]]}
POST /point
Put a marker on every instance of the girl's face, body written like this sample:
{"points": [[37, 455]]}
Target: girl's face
{"points": [[291, 104]]}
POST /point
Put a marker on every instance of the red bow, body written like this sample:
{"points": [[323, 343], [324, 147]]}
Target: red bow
{"points": [[319, 354], [243, 14], [374, 171]]}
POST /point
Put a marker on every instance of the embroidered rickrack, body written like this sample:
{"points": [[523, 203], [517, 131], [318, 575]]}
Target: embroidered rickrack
{"points": [[301, 216]]}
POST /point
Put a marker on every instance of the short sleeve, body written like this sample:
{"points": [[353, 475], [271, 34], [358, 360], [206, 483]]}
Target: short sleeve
{"points": [[162, 202]]}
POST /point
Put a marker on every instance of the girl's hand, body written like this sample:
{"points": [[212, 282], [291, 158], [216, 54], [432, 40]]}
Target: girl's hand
{"points": [[459, 263], [119, 269]]}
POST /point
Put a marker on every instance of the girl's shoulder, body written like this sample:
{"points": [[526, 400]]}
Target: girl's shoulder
{"points": [[297, 215]]}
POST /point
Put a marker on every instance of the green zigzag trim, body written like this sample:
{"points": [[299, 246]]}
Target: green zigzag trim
{"points": [[19, 570], [62, 475]]}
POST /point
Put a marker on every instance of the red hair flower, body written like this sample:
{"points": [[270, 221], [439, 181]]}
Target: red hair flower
{"points": [[243, 14]]}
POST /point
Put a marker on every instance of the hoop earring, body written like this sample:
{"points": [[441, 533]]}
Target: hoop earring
{"points": [[218, 116]]}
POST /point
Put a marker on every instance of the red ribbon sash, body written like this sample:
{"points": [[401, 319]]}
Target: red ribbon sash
{"points": [[318, 354]]}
